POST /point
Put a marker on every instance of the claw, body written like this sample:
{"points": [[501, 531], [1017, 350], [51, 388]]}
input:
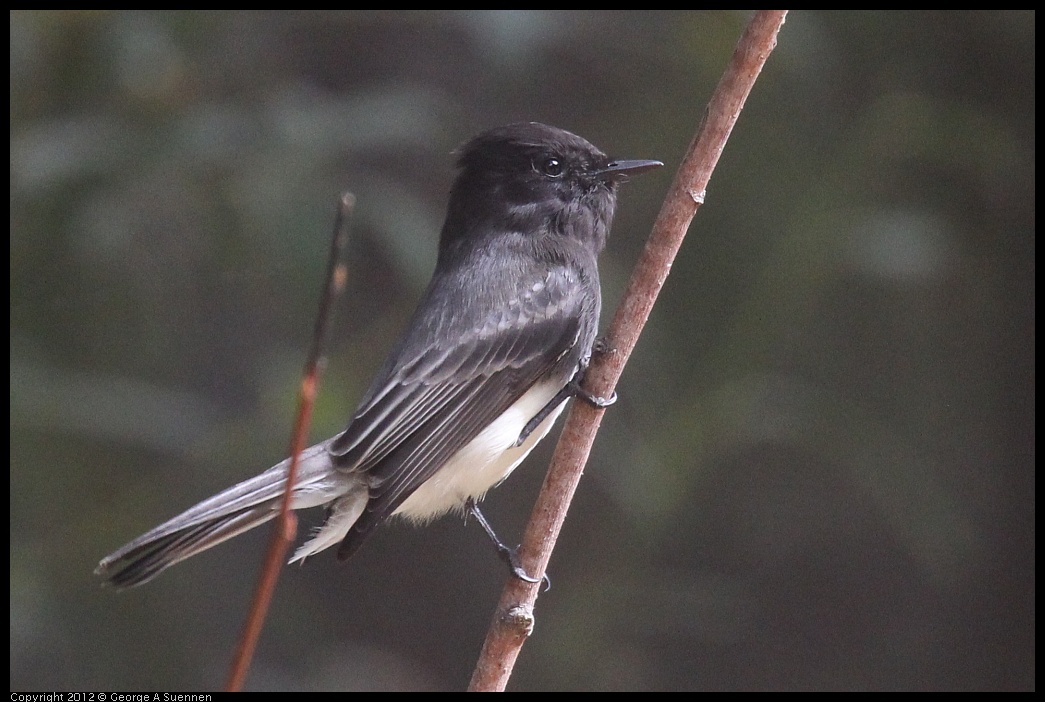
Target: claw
{"points": [[508, 555]]}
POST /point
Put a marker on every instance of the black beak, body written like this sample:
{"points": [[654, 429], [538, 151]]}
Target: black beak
{"points": [[617, 170]]}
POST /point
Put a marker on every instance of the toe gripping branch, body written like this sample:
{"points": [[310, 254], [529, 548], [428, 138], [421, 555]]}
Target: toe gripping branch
{"points": [[507, 554], [571, 389]]}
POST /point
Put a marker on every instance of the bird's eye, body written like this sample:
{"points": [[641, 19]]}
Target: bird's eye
{"points": [[551, 167]]}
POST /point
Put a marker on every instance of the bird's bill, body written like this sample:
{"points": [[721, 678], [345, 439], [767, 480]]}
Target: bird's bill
{"points": [[618, 169]]}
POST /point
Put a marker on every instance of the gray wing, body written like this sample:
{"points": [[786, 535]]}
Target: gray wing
{"points": [[463, 363]]}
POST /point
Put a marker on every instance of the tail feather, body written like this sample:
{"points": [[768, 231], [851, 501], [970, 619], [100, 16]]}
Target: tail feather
{"points": [[227, 514], [138, 564]]}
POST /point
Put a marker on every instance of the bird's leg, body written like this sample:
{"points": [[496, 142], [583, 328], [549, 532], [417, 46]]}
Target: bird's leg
{"points": [[571, 389], [559, 398], [508, 555]]}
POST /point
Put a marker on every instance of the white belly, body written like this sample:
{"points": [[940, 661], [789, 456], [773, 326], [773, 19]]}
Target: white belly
{"points": [[485, 461]]}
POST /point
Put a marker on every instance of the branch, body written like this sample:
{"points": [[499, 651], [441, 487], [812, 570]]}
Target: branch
{"points": [[513, 619], [285, 527]]}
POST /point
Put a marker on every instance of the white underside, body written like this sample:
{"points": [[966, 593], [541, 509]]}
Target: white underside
{"points": [[484, 462]]}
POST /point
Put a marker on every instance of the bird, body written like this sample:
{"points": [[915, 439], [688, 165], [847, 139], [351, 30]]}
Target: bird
{"points": [[496, 346]]}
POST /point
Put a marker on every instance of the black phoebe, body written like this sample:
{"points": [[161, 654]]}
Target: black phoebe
{"points": [[497, 344]]}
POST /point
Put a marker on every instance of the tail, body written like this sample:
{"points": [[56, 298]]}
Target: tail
{"points": [[238, 509]]}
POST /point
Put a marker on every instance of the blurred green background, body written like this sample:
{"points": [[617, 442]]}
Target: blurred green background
{"points": [[819, 474]]}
